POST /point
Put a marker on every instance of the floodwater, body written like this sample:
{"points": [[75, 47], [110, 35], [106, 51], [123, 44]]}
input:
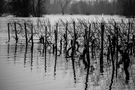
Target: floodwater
{"points": [[26, 68]]}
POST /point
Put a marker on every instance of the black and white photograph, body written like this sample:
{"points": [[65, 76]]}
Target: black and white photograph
{"points": [[67, 44]]}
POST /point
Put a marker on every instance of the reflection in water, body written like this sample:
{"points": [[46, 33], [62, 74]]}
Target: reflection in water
{"points": [[8, 50], [15, 53], [25, 54], [47, 67], [55, 64], [87, 79], [73, 66], [31, 57]]}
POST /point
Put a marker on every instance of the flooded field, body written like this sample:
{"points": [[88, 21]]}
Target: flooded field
{"points": [[21, 69], [26, 67]]}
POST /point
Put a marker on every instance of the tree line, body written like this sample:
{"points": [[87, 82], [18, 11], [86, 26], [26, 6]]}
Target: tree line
{"points": [[119, 7], [36, 8], [23, 8]]}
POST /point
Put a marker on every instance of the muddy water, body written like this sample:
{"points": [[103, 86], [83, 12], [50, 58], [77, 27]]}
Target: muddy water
{"points": [[24, 68]]}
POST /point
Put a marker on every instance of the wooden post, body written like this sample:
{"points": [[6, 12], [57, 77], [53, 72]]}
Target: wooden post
{"points": [[32, 34], [61, 46], [66, 39], [45, 35], [16, 37], [8, 32], [116, 29], [25, 27], [56, 37], [45, 40], [102, 47], [73, 51], [87, 45], [56, 33], [92, 43], [53, 48], [32, 46], [45, 47], [129, 24], [73, 41]]}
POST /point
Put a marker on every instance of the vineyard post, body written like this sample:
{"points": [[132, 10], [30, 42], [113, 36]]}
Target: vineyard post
{"points": [[65, 38], [92, 43], [89, 42], [45, 46], [45, 40], [8, 32], [102, 47], [116, 31], [73, 41], [16, 36], [32, 34], [112, 49], [61, 46], [73, 50], [129, 25], [56, 37], [55, 47], [25, 27]]}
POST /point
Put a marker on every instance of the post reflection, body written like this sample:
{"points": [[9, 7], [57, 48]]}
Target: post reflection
{"points": [[87, 79], [25, 54], [15, 53], [8, 50], [31, 64], [55, 65], [74, 71]]}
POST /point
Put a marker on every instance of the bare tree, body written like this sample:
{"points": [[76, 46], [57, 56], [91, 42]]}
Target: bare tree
{"points": [[128, 7], [64, 4], [2, 2], [20, 7], [37, 7]]}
